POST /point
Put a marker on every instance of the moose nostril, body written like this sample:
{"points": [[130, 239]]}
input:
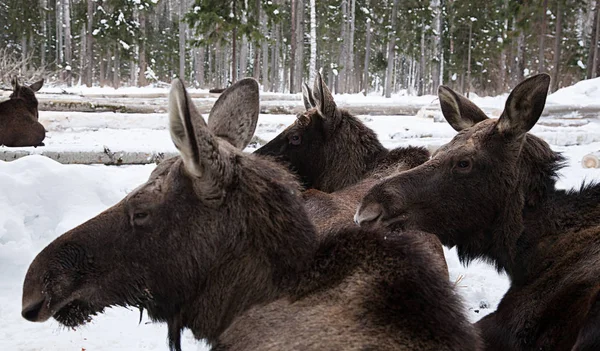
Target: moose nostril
{"points": [[32, 312], [368, 214]]}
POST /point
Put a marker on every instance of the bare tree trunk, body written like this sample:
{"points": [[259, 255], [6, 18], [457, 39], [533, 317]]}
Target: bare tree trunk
{"points": [[557, 47], [520, 61], [219, 71], [132, 73], [390, 51], [82, 56], [199, 66], [350, 50], [313, 41], [89, 75], [256, 61], [343, 58], [104, 68], [68, 49], [502, 84], [117, 68], [234, 46], [541, 59], [256, 45], [265, 54], [596, 38], [299, 59], [181, 39], [365, 86], [469, 58], [293, 46], [44, 25], [244, 46], [437, 44], [142, 63], [275, 59], [422, 73], [591, 62], [59, 37]]}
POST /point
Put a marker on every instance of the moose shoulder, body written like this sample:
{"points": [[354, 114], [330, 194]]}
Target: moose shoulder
{"points": [[218, 241], [19, 124], [491, 193]]}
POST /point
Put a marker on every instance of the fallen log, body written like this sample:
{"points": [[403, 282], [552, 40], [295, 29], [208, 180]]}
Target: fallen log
{"points": [[106, 157]]}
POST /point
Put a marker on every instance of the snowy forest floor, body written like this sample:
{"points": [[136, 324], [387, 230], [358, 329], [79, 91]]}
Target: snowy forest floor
{"points": [[41, 199]]}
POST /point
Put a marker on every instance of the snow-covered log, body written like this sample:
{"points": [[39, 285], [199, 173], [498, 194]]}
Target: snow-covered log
{"points": [[106, 157]]}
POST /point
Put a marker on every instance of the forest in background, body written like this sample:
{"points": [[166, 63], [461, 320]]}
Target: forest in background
{"points": [[386, 46]]}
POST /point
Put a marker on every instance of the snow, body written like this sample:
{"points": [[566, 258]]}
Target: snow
{"points": [[585, 93], [41, 199]]}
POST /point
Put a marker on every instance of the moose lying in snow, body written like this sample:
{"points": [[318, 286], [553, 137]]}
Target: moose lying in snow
{"points": [[491, 192], [218, 241], [19, 124], [339, 158]]}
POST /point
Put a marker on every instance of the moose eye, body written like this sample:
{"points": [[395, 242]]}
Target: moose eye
{"points": [[140, 215], [295, 139], [139, 218], [463, 165]]}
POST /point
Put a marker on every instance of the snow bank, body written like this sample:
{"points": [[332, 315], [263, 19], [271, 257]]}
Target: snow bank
{"points": [[585, 93], [42, 199]]}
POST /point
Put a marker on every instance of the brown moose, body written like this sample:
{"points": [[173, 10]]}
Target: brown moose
{"points": [[19, 116], [330, 149], [218, 241], [491, 193]]}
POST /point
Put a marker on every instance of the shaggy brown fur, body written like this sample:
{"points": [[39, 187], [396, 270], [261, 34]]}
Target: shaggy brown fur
{"points": [[491, 192], [218, 241], [19, 124]]}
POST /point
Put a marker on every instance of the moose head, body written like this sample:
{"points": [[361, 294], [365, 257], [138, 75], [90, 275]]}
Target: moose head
{"points": [[210, 234]]}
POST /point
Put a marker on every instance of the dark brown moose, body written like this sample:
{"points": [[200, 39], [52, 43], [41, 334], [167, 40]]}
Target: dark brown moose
{"points": [[491, 193], [19, 124], [339, 158], [218, 241]]}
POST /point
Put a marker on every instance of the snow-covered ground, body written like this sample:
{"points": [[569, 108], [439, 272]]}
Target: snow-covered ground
{"points": [[41, 199]]}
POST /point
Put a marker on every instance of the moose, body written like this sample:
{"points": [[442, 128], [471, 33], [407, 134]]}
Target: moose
{"points": [[218, 241], [19, 116], [338, 158], [491, 193], [330, 149]]}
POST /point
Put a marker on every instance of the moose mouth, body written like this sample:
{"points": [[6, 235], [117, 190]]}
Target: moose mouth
{"points": [[71, 314]]}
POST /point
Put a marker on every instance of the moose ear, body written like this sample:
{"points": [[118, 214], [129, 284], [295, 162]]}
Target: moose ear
{"points": [[307, 97], [524, 106], [199, 149], [323, 98], [235, 114], [37, 85], [459, 111]]}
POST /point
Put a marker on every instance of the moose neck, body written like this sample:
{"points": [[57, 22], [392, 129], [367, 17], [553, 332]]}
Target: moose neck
{"points": [[544, 216], [230, 292], [355, 153]]}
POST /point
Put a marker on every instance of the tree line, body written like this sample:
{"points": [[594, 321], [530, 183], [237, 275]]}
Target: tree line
{"points": [[389, 46]]}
